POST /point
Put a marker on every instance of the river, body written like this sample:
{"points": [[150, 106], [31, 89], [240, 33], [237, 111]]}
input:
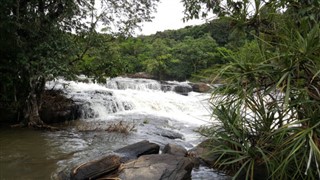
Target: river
{"points": [[153, 110]]}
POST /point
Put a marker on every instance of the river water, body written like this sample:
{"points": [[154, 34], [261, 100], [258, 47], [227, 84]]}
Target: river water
{"points": [[153, 110]]}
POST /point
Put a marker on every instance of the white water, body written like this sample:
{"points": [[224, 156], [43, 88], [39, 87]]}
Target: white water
{"points": [[138, 101], [139, 96], [155, 113]]}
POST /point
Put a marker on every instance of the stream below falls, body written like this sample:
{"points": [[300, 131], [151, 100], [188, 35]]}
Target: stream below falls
{"points": [[154, 111]]}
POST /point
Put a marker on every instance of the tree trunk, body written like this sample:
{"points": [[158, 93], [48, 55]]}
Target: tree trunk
{"points": [[31, 111], [33, 103]]}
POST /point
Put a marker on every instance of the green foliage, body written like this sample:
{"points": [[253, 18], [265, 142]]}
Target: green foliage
{"points": [[41, 39], [160, 56], [268, 108], [195, 54], [219, 30], [168, 57]]}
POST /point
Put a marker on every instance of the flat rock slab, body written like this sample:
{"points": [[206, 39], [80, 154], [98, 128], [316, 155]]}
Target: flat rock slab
{"points": [[136, 150], [157, 167], [95, 169]]}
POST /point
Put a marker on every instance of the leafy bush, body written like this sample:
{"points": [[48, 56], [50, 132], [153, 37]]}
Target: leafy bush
{"points": [[269, 109]]}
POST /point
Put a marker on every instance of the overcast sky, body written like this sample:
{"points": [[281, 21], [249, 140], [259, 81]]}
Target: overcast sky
{"points": [[169, 16]]}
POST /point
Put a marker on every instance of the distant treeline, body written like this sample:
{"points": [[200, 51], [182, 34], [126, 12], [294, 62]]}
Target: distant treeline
{"points": [[172, 54]]}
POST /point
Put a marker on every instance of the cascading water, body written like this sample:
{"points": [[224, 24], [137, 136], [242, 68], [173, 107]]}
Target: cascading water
{"points": [[155, 110], [121, 96]]}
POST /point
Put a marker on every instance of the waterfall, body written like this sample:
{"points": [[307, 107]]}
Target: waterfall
{"points": [[120, 96]]}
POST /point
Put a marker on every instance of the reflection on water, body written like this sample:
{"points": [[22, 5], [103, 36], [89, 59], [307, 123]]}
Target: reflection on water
{"points": [[25, 154], [30, 154]]}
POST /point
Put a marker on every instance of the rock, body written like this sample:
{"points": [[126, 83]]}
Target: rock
{"points": [[168, 134], [174, 150], [95, 169], [109, 164], [138, 149], [57, 108], [200, 87], [182, 89], [162, 167], [202, 153]]}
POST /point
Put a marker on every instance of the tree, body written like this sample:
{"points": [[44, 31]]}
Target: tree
{"points": [[134, 51], [38, 40], [194, 55], [268, 108], [159, 59]]}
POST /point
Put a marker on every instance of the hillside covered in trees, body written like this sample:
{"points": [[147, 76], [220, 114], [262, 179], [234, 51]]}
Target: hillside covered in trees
{"points": [[172, 54], [265, 53]]}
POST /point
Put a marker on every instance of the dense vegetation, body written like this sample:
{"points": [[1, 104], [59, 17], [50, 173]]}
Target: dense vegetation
{"points": [[269, 108], [42, 39], [172, 54]]}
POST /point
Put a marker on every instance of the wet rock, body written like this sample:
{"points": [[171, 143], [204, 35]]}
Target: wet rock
{"points": [[138, 149], [166, 87], [95, 169], [174, 149], [200, 87], [108, 166], [162, 167], [202, 153], [57, 108], [182, 89], [168, 134]]}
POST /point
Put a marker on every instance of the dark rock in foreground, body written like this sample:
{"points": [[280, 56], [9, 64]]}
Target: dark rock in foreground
{"points": [[95, 169], [149, 166], [138, 149], [163, 166]]}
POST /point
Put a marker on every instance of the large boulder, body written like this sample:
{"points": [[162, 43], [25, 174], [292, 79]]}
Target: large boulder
{"points": [[57, 108], [162, 167], [109, 165], [136, 161]]}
